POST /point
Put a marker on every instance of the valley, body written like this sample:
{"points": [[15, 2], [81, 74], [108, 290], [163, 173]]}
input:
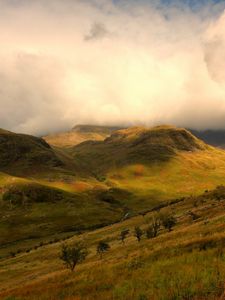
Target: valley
{"points": [[91, 191]]}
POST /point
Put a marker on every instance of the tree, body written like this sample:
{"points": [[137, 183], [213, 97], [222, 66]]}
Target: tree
{"points": [[153, 228], [102, 247], [123, 234], [138, 233], [168, 221], [72, 255]]}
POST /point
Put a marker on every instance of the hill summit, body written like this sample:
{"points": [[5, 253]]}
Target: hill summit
{"points": [[176, 138], [136, 145]]}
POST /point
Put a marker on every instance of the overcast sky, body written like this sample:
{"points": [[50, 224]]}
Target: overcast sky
{"points": [[64, 62]]}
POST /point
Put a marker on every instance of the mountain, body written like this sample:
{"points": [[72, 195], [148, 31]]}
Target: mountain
{"points": [[20, 151], [153, 164], [48, 193], [136, 145], [79, 134], [212, 137]]}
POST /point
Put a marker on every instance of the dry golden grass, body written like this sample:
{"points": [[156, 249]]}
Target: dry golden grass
{"points": [[187, 262]]}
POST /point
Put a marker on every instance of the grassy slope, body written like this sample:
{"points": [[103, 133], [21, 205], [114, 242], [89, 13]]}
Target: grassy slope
{"points": [[185, 174], [187, 263], [85, 203], [32, 212]]}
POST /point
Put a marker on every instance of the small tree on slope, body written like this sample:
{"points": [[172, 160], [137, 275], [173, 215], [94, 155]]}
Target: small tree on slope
{"points": [[72, 255], [138, 233], [102, 247], [123, 234]]}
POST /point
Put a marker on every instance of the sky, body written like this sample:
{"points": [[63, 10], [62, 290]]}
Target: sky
{"points": [[112, 62]]}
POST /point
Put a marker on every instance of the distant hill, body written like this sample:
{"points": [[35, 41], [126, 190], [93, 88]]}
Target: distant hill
{"points": [[79, 134], [211, 137], [25, 151], [136, 145]]}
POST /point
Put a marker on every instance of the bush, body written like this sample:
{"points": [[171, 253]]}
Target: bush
{"points": [[123, 234], [102, 247], [168, 221], [72, 255], [12, 254], [138, 233], [153, 228]]}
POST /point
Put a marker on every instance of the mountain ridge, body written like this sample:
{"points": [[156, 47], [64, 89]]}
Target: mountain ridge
{"points": [[136, 145]]}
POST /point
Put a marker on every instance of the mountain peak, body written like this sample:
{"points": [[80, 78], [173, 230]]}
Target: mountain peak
{"points": [[167, 135]]}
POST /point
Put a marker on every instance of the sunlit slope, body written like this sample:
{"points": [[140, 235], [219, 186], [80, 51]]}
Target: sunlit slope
{"points": [[154, 164], [186, 263], [187, 173]]}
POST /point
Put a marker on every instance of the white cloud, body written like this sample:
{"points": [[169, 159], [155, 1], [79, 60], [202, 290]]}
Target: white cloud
{"points": [[68, 62]]}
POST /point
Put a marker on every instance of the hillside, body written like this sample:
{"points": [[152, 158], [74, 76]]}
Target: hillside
{"points": [[99, 182], [24, 152], [136, 145], [184, 263], [79, 134]]}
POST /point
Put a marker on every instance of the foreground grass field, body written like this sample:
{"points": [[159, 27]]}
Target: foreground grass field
{"points": [[187, 263]]}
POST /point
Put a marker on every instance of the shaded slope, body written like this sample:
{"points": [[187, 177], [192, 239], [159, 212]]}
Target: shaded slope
{"points": [[25, 152]]}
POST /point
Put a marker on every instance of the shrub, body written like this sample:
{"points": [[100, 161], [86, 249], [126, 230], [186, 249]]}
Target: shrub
{"points": [[168, 221], [138, 233], [193, 215], [153, 228], [12, 254], [102, 247], [72, 255], [123, 234]]}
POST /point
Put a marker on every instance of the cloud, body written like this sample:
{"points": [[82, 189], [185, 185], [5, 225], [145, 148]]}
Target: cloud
{"points": [[110, 62], [97, 31]]}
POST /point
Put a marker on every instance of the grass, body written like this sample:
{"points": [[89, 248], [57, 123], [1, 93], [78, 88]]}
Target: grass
{"points": [[182, 175], [99, 187], [88, 202], [187, 263]]}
